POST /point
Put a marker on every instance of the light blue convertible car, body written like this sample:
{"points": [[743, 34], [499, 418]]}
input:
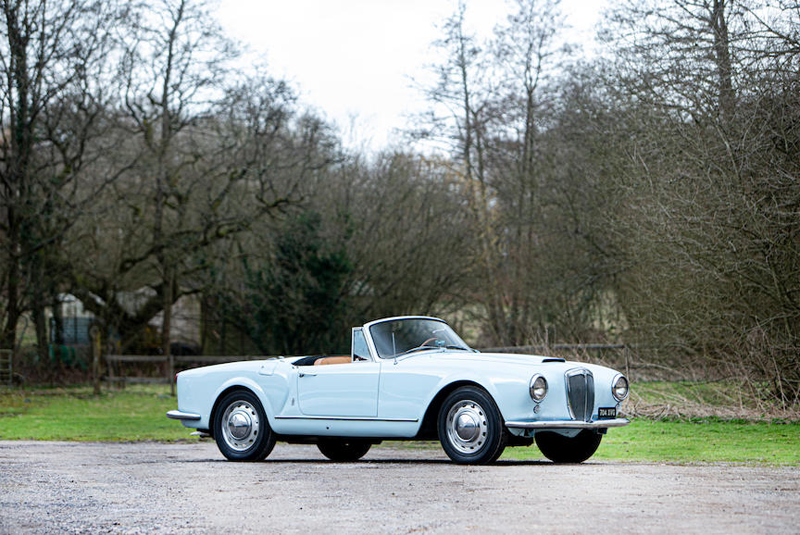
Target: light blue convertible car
{"points": [[406, 378]]}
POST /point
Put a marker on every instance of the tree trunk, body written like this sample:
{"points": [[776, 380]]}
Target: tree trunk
{"points": [[166, 327], [58, 321], [722, 57], [9, 336], [37, 287], [40, 322]]}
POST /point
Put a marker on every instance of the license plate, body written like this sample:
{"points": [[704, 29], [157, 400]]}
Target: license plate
{"points": [[607, 412]]}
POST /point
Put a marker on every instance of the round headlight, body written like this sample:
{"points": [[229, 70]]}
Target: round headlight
{"points": [[538, 388], [619, 387]]}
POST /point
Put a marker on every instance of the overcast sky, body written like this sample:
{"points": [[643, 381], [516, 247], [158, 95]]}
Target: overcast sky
{"points": [[356, 58]]}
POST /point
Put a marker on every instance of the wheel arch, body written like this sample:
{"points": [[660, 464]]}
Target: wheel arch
{"points": [[428, 428], [227, 390]]}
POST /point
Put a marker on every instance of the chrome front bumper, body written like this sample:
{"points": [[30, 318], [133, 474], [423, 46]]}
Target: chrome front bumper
{"points": [[569, 424], [180, 415]]}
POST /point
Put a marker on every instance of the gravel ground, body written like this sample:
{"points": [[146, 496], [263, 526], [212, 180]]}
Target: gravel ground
{"points": [[74, 487]]}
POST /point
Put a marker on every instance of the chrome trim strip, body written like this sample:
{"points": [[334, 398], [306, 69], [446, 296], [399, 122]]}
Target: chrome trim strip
{"points": [[569, 424], [348, 418], [180, 415], [396, 318]]}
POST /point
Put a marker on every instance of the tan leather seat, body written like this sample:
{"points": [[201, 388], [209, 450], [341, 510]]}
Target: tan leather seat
{"points": [[332, 360]]}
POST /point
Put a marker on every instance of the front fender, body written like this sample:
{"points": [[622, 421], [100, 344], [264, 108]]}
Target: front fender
{"points": [[408, 389], [448, 382]]}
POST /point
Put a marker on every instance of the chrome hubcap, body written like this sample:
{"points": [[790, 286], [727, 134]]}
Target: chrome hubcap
{"points": [[240, 425], [466, 426]]}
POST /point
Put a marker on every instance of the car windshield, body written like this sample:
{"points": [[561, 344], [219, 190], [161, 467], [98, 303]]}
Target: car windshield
{"points": [[396, 337]]}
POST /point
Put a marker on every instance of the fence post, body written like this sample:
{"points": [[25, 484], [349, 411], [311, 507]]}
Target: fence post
{"points": [[94, 332], [171, 373], [7, 366], [626, 351]]}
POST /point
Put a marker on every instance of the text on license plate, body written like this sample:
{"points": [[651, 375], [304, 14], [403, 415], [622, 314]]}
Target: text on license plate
{"points": [[607, 412]]}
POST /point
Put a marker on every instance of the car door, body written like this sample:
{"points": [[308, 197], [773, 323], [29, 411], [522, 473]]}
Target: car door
{"points": [[340, 390]]}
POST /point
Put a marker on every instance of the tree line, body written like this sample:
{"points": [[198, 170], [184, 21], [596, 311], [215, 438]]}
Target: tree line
{"points": [[647, 193]]}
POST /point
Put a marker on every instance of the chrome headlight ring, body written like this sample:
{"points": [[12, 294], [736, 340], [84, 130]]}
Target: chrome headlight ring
{"points": [[538, 388], [620, 387]]}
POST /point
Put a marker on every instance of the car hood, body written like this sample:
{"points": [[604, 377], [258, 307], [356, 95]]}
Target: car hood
{"points": [[530, 363], [495, 358], [515, 358]]}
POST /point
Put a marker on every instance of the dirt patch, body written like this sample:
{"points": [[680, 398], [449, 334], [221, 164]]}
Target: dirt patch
{"points": [[152, 487]]}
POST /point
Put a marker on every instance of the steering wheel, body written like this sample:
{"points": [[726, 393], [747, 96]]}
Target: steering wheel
{"points": [[425, 343]]}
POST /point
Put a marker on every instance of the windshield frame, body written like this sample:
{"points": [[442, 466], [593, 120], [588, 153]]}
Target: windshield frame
{"points": [[374, 337]]}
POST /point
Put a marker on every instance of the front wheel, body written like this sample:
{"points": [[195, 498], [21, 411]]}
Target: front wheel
{"points": [[470, 427], [241, 428], [343, 450], [562, 449]]}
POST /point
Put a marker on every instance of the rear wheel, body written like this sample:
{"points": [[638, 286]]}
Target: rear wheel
{"points": [[470, 427], [343, 450], [562, 449], [241, 428]]}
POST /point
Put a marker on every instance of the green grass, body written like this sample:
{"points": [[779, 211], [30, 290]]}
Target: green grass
{"points": [[695, 441], [137, 413]]}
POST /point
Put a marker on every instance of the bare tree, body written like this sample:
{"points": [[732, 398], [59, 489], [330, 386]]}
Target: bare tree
{"points": [[372, 238], [243, 162], [171, 69], [491, 100], [52, 59], [530, 50], [717, 260], [462, 110], [684, 51]]}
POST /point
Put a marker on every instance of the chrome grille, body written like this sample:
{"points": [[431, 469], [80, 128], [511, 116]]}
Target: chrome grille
{"points": [[580, 393]]}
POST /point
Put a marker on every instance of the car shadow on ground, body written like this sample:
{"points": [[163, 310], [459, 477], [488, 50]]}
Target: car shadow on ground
{"points": [[500, 464]]}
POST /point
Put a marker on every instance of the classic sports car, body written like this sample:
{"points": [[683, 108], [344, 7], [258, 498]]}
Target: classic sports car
{"points": [[409, 378]]}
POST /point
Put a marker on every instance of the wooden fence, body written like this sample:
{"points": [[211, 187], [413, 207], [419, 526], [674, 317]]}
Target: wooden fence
{"points": [[554, 347], [116, 365]]}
